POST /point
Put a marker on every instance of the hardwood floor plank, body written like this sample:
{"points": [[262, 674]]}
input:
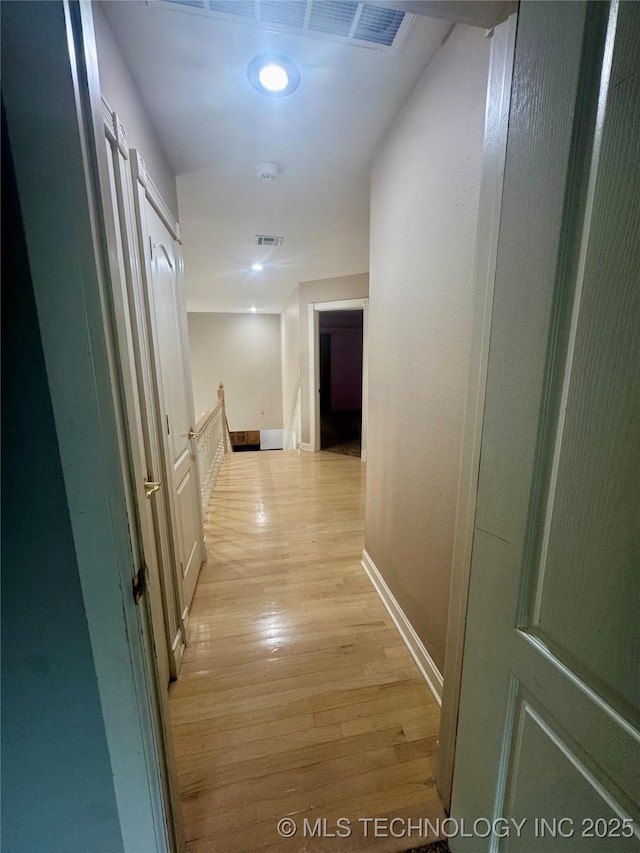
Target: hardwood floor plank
{"points": [[204, 771], [297, 695], [208, 815]]}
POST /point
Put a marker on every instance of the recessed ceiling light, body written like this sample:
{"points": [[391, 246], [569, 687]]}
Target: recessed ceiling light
{"points": [[253, 309], [273, 75], [257, 267]]}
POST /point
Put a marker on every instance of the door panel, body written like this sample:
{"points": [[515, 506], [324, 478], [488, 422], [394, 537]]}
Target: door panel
{"points": [[539, 750], [191, 562], [590, 517], [177, 398], [549, 712]]}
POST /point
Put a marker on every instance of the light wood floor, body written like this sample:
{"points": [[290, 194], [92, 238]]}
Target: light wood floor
{"points": [[297, 696]]}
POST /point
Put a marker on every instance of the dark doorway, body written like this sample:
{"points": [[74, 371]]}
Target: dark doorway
{"points": [[341, 381]]}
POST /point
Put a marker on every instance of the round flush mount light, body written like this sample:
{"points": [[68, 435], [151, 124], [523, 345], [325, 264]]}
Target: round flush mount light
{"points": [[257, 267], [273, 75]]}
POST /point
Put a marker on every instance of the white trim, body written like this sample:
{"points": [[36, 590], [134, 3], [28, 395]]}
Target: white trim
{"points": [[314, 381], [308, 446], [339, 305], [423, 660], [153, 195], [495, 147], [365, 380], [314, 366], [178, 647]]}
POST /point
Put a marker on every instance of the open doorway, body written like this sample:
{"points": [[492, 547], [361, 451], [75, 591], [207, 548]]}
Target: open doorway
{"points": [[338, 374], [341, 351]]}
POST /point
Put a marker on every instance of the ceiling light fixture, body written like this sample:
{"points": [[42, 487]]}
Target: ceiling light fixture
{"points": [[253, 309], [273, 75], [257, 267]]}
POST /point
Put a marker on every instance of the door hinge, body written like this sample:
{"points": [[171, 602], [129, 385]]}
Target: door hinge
{"points": [[139, 583]]}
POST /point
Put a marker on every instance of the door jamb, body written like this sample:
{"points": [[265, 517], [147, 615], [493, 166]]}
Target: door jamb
{"points": [[494, 155], [314, 366]]}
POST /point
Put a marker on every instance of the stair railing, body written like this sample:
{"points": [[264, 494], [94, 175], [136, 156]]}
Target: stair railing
{"points": [[212, 434]]}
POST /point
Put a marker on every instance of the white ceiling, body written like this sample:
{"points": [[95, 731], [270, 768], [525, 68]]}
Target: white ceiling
{"points": [[215, 128]]}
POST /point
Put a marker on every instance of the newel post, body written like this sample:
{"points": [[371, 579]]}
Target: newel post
{"points": [[225, 423]]}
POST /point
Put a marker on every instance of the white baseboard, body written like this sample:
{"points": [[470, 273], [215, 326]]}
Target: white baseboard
{"points": [[421, 656], [308, 445]]}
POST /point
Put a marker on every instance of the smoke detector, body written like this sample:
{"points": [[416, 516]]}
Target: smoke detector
{"points": [[267, 171]]}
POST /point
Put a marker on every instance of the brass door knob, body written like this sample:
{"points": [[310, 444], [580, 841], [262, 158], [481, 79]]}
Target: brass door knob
{"points": [[193, 434], [151, 486]]}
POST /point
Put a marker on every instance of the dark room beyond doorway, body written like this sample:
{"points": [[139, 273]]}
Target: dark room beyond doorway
{"points": [[341, 381]]}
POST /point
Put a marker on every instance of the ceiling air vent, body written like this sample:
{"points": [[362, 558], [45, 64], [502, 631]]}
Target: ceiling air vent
{"points": [[192, 4], [378, 25], [338, 20], [333, 17], [244, 8], [291, 13], [269, 240]]}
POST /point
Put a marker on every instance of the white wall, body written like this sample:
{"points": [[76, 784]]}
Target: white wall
{"points": [[121, 93], [424, 201], [242, 350]]}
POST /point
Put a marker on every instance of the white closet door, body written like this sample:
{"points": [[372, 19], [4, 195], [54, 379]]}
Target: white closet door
{"points": [[550, 702], [172, 354]]}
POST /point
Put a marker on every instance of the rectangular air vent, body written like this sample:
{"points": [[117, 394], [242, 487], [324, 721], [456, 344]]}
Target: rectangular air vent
{"points": [[269, 240], [193, 4], [339, 20], [244, 8], [291, 13]]}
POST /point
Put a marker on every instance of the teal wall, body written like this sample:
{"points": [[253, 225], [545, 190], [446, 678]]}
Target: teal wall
{"points": [[57, 788]]}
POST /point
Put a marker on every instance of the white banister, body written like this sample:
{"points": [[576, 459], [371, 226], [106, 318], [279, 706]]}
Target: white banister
{"points": [[227, 437], [213, 442]]}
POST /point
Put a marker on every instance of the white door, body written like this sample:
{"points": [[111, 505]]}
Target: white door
{"points": [[549, 713], [143, 468], [141, 451], [178, 420]]}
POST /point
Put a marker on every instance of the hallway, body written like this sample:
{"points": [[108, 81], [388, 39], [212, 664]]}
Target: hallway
{"points": [[297, 696]]}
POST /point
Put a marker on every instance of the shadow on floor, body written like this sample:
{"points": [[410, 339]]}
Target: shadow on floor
{"points": [[340, 432]]}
